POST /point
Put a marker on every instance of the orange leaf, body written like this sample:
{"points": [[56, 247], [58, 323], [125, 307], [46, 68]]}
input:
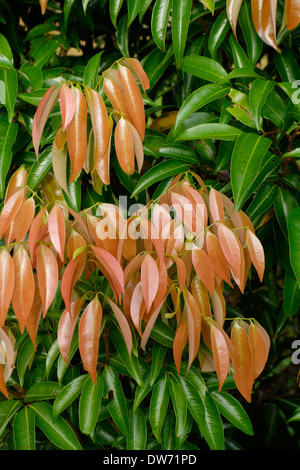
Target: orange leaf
{"points": [[3, 388], [42, 113], [197, 201], [204, 268], [242, 361], [192, 219], [292, 14], [43, 4], [24, 218], [220, 354], [89, 334], [259, 350], [123, 323], [181, 272], [137, 70], [232, 250], [23, 293], [34, 316], [134, 100], [264, 19], [59, 165], [47, 273], [103, 165], [33, 233], [66, 327], [116, 96], [218, 305], [57, 230], [150, 232], [179, 343], [67, 105], [7, 281], [191, 310], [75, 241], [137, 307], [111, 269], [124, 146], [216, 206], [217, 258], [256, 252], [138, 147], [100, 123], [77, 134], [201, 296], [11, 209], [18, 179], [149, 280], [71, 275], [60, 138]]}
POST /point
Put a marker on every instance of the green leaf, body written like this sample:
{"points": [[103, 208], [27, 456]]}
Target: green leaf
{"points": [[179, 152], [293, 225], [43, 53], [284, 204], [156, 62], [131, 363], [263, 200], [218, 33], [203, 67], [132, 9], [168, 438], [158, 354], [275, 109], [68, 394], [287, 65], [248, 158], [68, 4], [180, 405], [90, 77], [8, 408], [159, 21], [142, 392], [89, 404], [258, 94], [24, 359], [181, 12], [233, 411], [210, 131], [163, 334], [10, 79], [137, 435], [159, 172], [8, 135], [199, 98], [42, 391], [114, 8], [254, 43], [40, 168], [52, 355], [5, 49], [122, 36], [24, 429], [291, 295], [57, 430], [240, 59], [158, 406], [117, 407]]}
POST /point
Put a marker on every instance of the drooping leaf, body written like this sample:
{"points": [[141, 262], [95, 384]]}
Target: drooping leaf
{"points": [[8, 134], [159, 21], [47, 274], [158, 406], [220, 354], [67, 105], [23, 293], [179, 344], [259, 350], [77, 134], [89, 404], [242, 361], [24, 429], [150, 280], [204, 268], [57, 230], [7, 282], [293, 222], [264, 19], [124, 145], [66, 327], [181, 12], [256, 252]]}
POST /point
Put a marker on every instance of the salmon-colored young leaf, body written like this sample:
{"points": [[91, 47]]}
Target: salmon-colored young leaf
{"points": [[124, 325], [204, 268], [88, 335], [111, 269], [57, 230], [292, 14], [149, 280], [33, 233], [256, 252], [216, 206], [100, 123], [3, 388], [34, 316], [216, 255], [231, 247], [47, 274], [11, 209], [66, 327], [264, 19], [259, 350], [193, 315], [77, 134], [23, 219], [71, 275], [67, 105], [242, 360], [220, 354], [124, 146], [7, 282], [116, 96]]}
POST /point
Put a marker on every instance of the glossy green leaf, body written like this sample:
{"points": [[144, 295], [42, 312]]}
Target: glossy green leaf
{"points": [[114, 9], [117, 407], [180, 23], [258, 94], [158, 354], [133, 10], [203, 67], [163, 334], [218, 33], [5, 49], [42, 391], [275, 109], [291, 295], [199, 98], [89, 404], [137, 435], [24, 429], [10, 79], [287, 65], [142, 392], [168, 438], [159, 21], [57, 430], [25, 357], [254, 43], [159, 172], [179, 403], [68, 4], [68, 394], [52, 355], [8, 134], [293, 225], [122, 36], [248, 161], [90, 77], [40, 168], [283, 205], [240, 58], [44, 51], [156, 63], [8, 408], [179, 152], [158, 406], [263, 200], [210, 131], [233, 411]]}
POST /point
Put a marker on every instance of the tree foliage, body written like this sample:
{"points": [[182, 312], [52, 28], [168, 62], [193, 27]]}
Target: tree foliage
{"points": [[149, 179]]}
